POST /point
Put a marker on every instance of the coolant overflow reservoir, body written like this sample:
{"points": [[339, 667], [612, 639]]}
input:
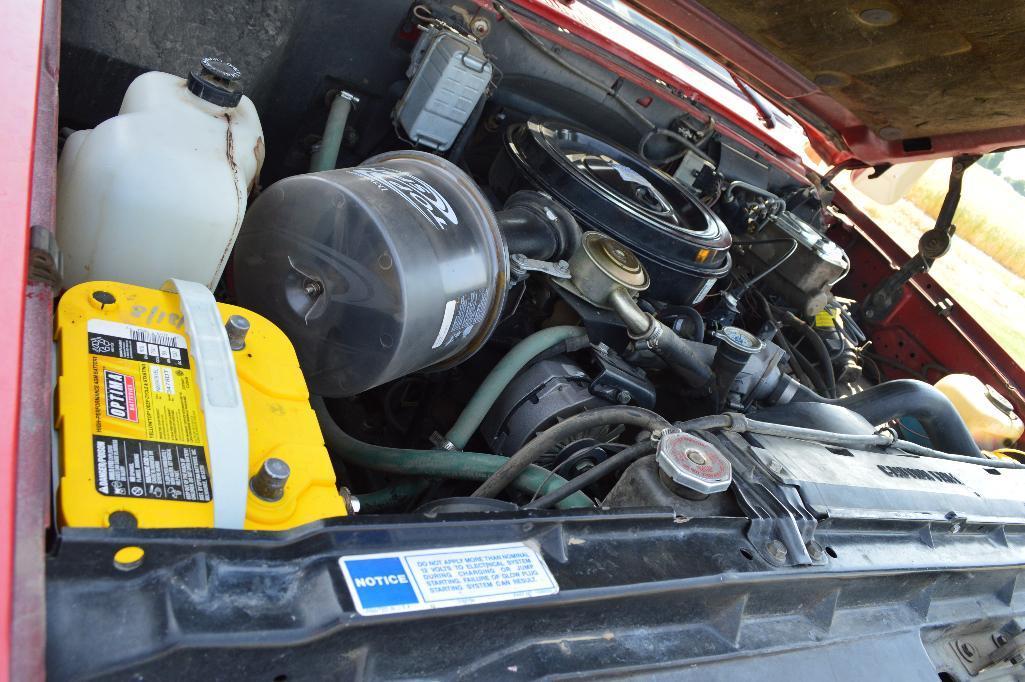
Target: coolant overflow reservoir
{"points": [[990, 416], [159, 191]]}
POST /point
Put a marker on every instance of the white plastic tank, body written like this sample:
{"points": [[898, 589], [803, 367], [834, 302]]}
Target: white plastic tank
{"points": [[990, 416], [159, 191]]}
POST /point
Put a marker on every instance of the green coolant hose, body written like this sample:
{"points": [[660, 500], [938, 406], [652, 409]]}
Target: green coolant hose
{"points": [[468, 466], [504, 372], [386, 498]]}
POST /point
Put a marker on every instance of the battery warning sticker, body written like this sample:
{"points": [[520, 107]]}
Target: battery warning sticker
{"points": [[126, 467], [457, 576], [147, 426]]}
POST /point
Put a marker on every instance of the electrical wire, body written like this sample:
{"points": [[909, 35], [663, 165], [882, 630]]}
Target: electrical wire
{"points": [[672, 135], [768, 270]]}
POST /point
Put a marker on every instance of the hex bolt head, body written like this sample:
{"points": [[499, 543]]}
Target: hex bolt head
{"points": [[237, 328], [776, 550], [269, 482], [814, 550]]}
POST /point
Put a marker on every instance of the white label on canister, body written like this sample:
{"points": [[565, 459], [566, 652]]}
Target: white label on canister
{"points": [[446, 322], [471, 309], [417, 193]]}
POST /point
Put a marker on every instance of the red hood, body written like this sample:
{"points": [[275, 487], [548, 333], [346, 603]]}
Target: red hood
{"points": [[878, 82]]}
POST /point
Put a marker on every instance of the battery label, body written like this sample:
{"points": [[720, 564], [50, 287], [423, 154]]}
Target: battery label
{"points": [[147, 424], [127, 467], [119, 394], [129, 342], [456, 576]]}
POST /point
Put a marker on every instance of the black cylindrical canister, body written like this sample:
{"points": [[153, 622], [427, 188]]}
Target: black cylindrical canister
{"points": [[376, 271]]}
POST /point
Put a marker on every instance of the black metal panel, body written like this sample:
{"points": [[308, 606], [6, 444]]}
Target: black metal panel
{"points": [[640, 591]]}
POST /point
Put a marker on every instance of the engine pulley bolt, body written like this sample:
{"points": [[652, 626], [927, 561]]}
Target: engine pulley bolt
{"points": [[237, 328], [269, 482], [776, 550]]}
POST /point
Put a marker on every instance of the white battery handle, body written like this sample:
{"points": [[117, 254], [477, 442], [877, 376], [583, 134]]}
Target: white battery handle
{"points": [[220, 398]]}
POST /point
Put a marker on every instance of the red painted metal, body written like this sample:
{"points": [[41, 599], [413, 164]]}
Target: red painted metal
{"points": [[31, 512], [20, 54], [835, 132]]}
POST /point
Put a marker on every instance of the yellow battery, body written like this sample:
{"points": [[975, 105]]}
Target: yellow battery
{"points": [[132, 433]]}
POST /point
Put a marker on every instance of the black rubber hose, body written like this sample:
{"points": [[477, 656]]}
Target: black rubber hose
{"points": [[680, 356], [547, 439], [825, 362], [900, 398], [539, 227], [616, 461], [623, 458]]}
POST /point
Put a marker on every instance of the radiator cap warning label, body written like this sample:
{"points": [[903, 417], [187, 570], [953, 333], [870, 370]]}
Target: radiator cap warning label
{"points": [[457, 576]]}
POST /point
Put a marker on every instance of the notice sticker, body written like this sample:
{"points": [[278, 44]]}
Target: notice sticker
{"points": [[440, 578]]}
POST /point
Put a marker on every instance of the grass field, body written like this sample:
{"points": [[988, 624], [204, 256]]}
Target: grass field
{"points": [[991, 215], [985, 269]]}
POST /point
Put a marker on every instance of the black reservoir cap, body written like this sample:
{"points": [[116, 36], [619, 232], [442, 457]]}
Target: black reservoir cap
{"points": [[216, 81]]}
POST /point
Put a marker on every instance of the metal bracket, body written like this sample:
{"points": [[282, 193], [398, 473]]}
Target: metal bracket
{"points": [[520, 266], [45, 263], [932, 245], [980, 652], [782, 528]]}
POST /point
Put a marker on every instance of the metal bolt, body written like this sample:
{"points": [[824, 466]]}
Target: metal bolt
{"points": [[967, 649], [776, 550], [313, 288], [624, 397], [696, 457], [814, 550], [237, 328], [956, 523], [480, 27], [269, 482]]}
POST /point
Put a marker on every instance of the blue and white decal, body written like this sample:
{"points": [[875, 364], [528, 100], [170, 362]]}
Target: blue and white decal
{"points": [[438, 578]]}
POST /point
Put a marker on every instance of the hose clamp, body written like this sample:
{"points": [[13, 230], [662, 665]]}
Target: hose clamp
{"points": [[654, 333], [441, 443], [657, 434], [889, 433]]}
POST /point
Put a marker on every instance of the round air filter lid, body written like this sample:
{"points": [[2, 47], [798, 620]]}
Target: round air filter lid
{"points": [[612, 190]]}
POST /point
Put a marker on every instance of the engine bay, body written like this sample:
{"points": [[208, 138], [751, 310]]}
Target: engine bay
{"points": [[491, 300], [471, 274]]}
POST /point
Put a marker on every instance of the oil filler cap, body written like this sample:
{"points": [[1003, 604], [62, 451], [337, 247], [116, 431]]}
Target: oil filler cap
{"points": [[693, 465], [217, 82]]}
